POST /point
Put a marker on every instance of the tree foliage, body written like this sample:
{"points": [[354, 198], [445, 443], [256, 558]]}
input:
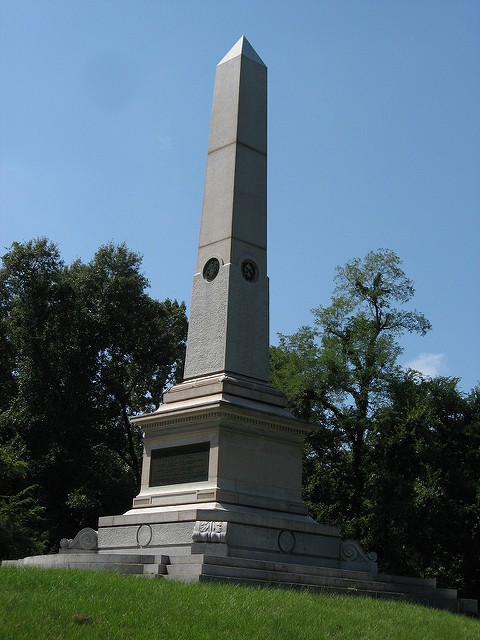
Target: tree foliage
{"points": [[424, 486], [345, 363], [83, 347], [378, 462], [359, 329], [21, 517]]}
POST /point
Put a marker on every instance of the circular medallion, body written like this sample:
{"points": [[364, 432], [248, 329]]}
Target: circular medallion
{"points": [[286, 541], [211, 269], [249, 271], [144, 535]]}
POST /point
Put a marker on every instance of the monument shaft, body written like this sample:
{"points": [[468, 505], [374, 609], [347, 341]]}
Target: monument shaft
{"points": [[224, 435], [228, 327]]}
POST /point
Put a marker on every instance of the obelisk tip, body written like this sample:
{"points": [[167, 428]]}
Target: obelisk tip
{"points": [[242, 48]]}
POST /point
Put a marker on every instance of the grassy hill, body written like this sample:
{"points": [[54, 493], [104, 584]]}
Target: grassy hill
{"points": [[67, 604]]}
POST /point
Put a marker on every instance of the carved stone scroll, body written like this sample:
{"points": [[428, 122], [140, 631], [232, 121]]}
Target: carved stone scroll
{"points": [[85, 540], [351, 551], [210, 532]]}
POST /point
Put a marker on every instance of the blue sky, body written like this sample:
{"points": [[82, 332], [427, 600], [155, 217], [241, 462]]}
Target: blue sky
{"points": [[374, 141]]}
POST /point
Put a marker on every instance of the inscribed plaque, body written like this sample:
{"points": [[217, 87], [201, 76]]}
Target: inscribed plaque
{"points": [[178, 465]]}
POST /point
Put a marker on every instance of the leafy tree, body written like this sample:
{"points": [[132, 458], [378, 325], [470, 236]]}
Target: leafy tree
{"points": [[424, 484], [83, 347], [21, 517], [50, 410], [345, 362], [394, 458], [140, 344]]}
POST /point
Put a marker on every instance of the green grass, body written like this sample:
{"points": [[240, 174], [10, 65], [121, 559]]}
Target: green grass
{"points": [[68, 604]]}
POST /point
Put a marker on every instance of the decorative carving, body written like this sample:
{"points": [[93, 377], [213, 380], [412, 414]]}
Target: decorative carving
{"points": [[211, 269], [210, 532], [286, 541], [144, 535], [249, 271], [351, 551], [258, 425], [85, 540]]}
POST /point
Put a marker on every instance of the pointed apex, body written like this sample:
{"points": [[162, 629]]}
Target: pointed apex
{"points": [[242, 48]]}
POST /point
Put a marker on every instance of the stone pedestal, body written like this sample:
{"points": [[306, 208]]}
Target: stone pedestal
{"points": [[222, 439], [236, 437]]}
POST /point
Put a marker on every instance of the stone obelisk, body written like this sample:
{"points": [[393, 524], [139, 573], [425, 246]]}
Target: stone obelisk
{"points": [[222, 463], [228, 326]]}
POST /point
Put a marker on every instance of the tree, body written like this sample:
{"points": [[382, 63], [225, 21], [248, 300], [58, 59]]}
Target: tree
{"points": [[394, 459], [83, 348], [424, 481], [21, 517], [140, 344], [346, 361]]}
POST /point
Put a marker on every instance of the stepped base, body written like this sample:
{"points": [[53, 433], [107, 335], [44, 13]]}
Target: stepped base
{"points": [[229, 543], [140, 564], [201, 567], [204, 568]]}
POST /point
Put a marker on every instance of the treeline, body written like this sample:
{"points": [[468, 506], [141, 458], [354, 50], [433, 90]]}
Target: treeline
{"points": [[394, 458], [83, 347]]}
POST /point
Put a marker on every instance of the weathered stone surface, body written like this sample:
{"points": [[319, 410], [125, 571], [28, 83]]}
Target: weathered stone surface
{"points": [[228, 326], [210, 531]]}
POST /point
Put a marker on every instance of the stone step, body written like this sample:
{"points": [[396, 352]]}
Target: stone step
{"points": [[137, 564], [179, 571], [154, 569], [317, 579], [276, 571], [126, 556], [431, 601], [468, 606], [186, 577], [268, 565], [213, 568], [72, 558]]}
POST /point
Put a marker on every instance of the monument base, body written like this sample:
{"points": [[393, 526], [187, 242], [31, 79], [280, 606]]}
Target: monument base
{"points": [[231, 531], [219, 545], [234, 512], [222, 467]]}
